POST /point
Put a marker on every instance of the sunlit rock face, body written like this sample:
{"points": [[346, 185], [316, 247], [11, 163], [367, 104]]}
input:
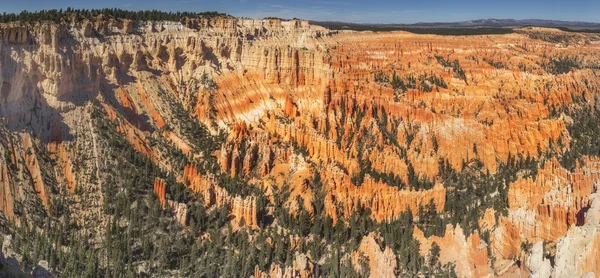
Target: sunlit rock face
{"points": [[386, 122]]}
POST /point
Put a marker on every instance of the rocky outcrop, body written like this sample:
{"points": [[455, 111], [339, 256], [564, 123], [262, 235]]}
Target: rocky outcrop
{"points": [[301, 267], [469, 254], [8, 189], [537, 262], [32, 165], [60, 152], [63, 153], [243, 209], [545, 208], [179, 210], [154, 114], [159, 190], [384, 201], [131, 112], [249, 150], [16, 35], [26, 182], [381, 261], [134, 136], [577, 251]]}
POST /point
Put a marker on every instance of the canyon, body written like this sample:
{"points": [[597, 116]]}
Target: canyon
{"points": [[299, 151]]}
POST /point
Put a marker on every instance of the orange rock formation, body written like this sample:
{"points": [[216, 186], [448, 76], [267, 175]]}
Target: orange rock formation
{"points": [[469, 254], [298, 101], [545, 208], [382, 261], [214, 195], [159, 189]]}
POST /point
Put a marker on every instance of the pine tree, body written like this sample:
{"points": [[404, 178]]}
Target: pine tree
{"points": [[434, 254]]}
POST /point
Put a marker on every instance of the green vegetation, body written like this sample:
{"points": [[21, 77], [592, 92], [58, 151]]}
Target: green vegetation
{"points": [[194, 132], [80, 14], [591, 31], [208, 83], [422, 82], [473, 190], [561, 65], [137, 229], [565, 63], [552, 37], [327, 238], [584, 131], [139, 233], [131, 234], [455, 65], [496, 64], [450, 31], [460, 31]]}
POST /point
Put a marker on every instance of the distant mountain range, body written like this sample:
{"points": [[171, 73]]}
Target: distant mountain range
{"points": [[479, 23], [493, 22]]}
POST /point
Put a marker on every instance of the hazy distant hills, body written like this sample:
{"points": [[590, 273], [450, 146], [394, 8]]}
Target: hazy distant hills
{"points": [[492, 22], [479, 23]]}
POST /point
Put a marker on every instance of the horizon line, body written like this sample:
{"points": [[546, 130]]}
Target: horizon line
{"points": [[316, 20]]}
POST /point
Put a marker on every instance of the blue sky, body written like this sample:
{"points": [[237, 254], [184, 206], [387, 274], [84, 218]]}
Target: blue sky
{"points": [[360, 11]]}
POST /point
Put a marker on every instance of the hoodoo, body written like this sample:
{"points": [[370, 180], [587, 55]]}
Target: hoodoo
{"points": [[152, 144]]}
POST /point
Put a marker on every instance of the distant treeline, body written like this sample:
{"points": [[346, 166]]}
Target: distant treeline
{"points": [[445, 31], [592, 31], [459, 31], [80, 14]]}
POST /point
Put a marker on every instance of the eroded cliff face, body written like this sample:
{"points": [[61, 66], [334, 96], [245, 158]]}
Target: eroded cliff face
{"points": [[469, 254], [27, 181], [179, 210], [243, 112], [384, 201], [544, 209], [577, 250], [382, 263], [243, 209], [488, 114]]}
